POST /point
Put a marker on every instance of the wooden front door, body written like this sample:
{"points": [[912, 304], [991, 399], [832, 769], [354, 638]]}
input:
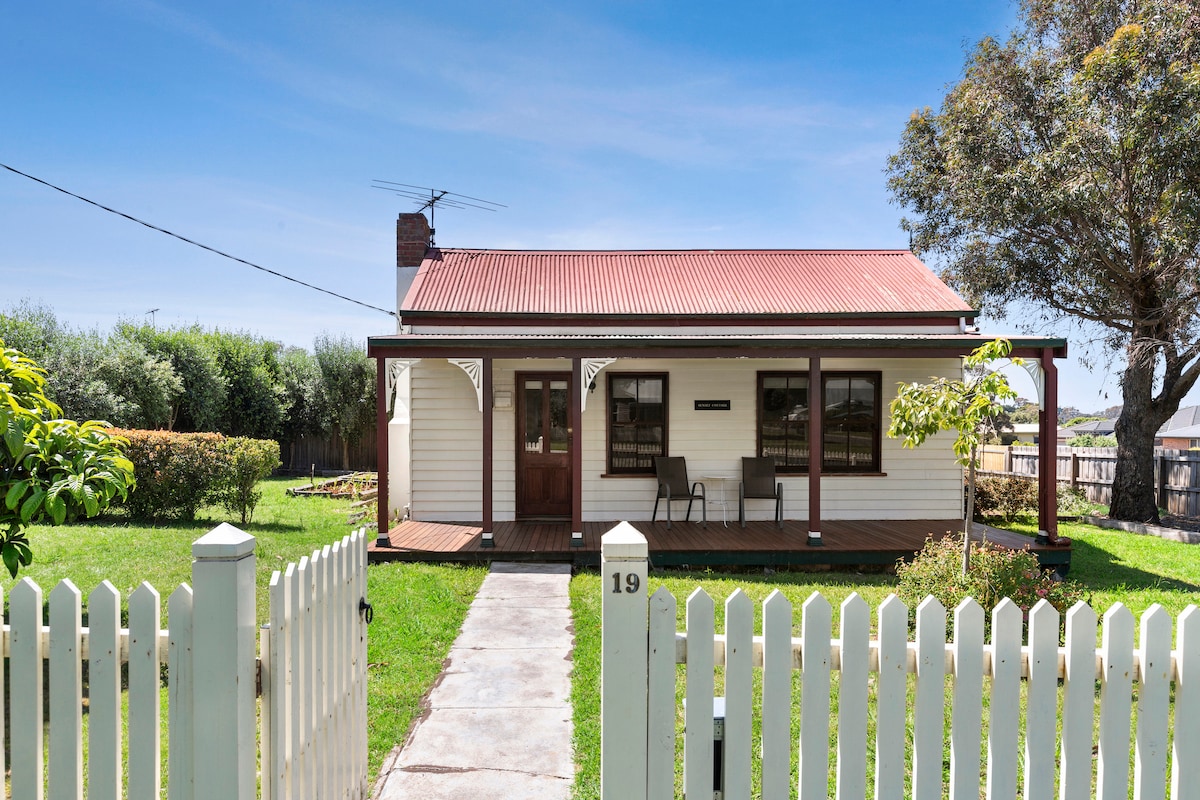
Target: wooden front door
{"points": [[544, 445]]}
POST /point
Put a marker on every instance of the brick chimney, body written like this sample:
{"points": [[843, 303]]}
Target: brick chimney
{"points": [[412, 239]]}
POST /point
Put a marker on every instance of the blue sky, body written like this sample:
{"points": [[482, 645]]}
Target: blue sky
{"points": [[258, 128]]}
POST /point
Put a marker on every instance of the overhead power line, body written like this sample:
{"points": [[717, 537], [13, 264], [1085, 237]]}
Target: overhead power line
{"points": [[201, 245]]}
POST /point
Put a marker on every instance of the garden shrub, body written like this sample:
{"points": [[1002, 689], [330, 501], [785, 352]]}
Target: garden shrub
{"points": [[249, 461], [995, 573], [178, 473], [1005, 496], [1073, 502]]}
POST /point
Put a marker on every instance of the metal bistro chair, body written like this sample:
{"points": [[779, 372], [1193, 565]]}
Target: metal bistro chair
{"points": [[758, 483], [673, 485]]}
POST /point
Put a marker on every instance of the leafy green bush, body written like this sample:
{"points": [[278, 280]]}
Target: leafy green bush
{"points": [[51, 469], [180, 472], [996, 573], [1005, 496], [1092, 440], [176, 472], [248, 462], [1073, 502]]}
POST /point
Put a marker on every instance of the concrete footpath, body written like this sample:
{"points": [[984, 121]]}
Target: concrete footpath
{"points": [[499, 718]]}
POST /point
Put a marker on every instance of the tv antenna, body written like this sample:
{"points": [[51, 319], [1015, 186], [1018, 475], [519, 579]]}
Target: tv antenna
{"points": [[425, 198]]}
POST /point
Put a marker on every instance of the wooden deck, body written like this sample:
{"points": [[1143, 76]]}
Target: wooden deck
{"points": [[846, 542]]}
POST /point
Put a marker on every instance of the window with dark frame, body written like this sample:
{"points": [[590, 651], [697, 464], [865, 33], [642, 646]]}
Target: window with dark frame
{"points": [[851, 424], [637, 421]]}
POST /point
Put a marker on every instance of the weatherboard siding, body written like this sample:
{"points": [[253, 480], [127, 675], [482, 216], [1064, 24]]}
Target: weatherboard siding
{"points": [[447, 469]]}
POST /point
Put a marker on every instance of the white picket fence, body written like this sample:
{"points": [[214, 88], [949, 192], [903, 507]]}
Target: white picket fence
{"points": [[313, 678], [894, 683]]}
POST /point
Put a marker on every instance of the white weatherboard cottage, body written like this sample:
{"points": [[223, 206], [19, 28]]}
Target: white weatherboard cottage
{"points": [[541, 385]]}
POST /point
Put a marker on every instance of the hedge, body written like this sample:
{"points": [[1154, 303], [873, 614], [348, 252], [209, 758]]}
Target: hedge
{"points": [[177, 473]]}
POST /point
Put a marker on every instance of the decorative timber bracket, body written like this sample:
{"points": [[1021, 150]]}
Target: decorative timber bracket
{"points": [[474, 369], [591, 368], [396, 367], [1039, 380]]}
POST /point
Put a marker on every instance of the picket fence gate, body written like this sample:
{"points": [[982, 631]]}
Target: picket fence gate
{"points": [[641, 649], [312, 675]]}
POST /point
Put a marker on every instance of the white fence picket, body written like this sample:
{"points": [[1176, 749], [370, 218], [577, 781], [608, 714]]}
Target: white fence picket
{"points": [[776, 695], [359, 639], [104, 693], [1005, 701], [307, 657], [323, 670], [66, 687], [25, 673], [660, 700], [891, 700], [816, 632], [853, 706], [1185, 767], [698, 715], [336, 749], [1116, 707], [929, 700], [144, 697], [1041, 715], [1078, 704], [739, 686], [965, 732], [181, 743], [1154, 705], [277, 691]]}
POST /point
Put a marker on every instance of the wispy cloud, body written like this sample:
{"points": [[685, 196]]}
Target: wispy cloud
{"points": [[564, 83]]}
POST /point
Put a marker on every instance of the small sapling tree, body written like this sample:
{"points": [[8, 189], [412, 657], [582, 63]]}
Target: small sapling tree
{"points": [[967, 405]]}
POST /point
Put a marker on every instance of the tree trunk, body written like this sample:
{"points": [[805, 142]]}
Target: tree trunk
{"points": [[1133, 479]]}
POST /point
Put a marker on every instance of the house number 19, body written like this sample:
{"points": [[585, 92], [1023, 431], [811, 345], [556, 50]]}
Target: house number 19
{"points": [[632, 583]]}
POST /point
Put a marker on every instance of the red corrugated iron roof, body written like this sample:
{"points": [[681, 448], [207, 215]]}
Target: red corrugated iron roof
{"points": [[678, 282]]}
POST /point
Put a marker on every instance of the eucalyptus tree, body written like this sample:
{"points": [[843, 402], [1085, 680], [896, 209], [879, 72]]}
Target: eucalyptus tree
{"points": [[1063, 170]]}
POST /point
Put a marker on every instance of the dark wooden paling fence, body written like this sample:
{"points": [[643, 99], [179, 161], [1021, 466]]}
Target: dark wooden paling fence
{"points": [[1176, 472], [310, 453]]}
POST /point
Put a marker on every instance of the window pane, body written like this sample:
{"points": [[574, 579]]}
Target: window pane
{"points": [[559, 421], [533, 416], [851, 421], [637, 422], [783, 420]]}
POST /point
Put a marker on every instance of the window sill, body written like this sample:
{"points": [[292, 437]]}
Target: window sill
{"points": [[834, 474]]}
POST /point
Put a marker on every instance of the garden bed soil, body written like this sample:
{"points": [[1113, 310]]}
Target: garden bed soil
{"points": [[359, 485]]}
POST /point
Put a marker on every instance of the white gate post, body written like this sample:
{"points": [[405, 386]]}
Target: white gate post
{"points": [[623, 664], [223, 658]]}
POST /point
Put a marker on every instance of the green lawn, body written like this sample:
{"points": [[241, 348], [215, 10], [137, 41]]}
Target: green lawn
{"points": [[418, 608], [1112, 566]]}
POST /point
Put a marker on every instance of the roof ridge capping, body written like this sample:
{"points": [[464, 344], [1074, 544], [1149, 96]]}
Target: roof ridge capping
{"points": [[680, 251]]}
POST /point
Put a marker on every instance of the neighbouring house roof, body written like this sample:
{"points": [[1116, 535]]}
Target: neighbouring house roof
{"points": [[684, 284], [1099, 427], [1185, 432], [1186, 417]]}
